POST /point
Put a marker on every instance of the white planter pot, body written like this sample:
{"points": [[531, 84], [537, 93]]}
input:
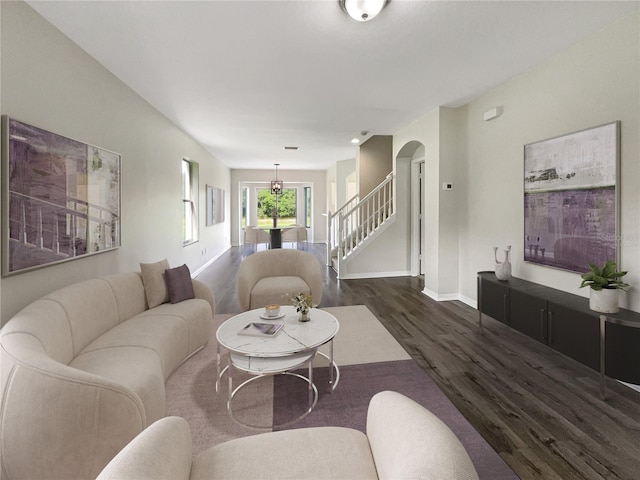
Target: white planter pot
{"points": [[604, 301]]}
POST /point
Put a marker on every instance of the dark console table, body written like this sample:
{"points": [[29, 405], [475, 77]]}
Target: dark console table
{"points": [[607, 343]]}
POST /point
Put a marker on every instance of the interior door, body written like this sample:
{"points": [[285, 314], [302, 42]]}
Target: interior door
{"points": [[417, 222], [420, 215]]}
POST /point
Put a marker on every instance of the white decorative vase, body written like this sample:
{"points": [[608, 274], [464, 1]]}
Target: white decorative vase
{"points": [[604, 301], [503, 269]]}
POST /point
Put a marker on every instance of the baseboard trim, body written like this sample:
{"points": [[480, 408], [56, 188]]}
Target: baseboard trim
{"points": [[438, 297], [469, 301], [356, 276], [631, 385], [208, 264], [447, 297]]}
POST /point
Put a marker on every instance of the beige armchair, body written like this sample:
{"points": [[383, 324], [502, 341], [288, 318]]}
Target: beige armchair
{"points": [[403, 440], [265, 277]]}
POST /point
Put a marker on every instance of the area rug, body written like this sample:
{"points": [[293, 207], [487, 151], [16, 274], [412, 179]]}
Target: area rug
{"points": [[370, 361]]}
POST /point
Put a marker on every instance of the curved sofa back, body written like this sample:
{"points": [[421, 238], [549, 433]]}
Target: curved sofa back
{"points": [[108, 301], [45, 400]]}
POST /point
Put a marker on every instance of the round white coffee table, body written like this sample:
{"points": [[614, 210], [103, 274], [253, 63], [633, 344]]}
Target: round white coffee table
{"points": [[294, 346]]}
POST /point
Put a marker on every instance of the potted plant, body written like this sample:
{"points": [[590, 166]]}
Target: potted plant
{"points": [[605, 284], [303, 303]]}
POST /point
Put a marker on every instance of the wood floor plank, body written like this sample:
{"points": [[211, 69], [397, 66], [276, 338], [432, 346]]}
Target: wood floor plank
{"points": [[540, 410]]}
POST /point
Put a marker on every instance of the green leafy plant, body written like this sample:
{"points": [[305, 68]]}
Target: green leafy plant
{"points": [[608, 277]]}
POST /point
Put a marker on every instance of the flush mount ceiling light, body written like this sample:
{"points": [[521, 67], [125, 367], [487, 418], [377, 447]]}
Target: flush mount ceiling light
{"points": [[356, 140], [362, 10]]}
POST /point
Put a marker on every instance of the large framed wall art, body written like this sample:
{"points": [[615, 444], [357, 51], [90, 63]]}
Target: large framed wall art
{"points": [[60, 198], [571, 193], [215, 205]]}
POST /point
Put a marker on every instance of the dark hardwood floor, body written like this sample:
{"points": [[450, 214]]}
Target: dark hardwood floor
{"points": [[540, 410]]}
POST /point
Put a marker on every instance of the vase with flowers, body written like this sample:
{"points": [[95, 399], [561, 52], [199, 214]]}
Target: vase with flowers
{"points": [[303, 303]]}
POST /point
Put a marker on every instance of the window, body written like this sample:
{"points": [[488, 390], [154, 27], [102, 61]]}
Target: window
{"points": [[189, 201], [245, 197], [286, 208], [307, 207]]}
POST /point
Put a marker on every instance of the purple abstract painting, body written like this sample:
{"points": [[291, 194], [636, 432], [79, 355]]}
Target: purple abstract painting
{"points": [[62, 198], [570, 199]]}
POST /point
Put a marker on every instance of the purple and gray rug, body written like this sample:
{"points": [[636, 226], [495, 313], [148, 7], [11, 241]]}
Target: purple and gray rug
{"points": [[370, 361]]}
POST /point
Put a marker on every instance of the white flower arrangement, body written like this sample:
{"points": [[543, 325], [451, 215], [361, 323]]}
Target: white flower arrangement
{"points": [[302, 301]]}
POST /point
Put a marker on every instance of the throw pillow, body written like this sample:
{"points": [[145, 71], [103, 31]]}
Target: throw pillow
{"points": [[154, 284], [179, 284]]}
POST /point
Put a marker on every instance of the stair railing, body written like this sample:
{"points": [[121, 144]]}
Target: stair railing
{"points": [[356, 222], [333, 222]]}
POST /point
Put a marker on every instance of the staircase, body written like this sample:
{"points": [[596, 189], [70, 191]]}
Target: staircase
{"points": [[358, 222]]}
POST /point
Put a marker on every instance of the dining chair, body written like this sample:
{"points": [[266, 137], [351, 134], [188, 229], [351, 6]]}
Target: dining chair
{"points": [[290, 235], [250, 238]]}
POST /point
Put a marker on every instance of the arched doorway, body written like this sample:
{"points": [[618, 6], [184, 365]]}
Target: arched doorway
{"points": [[411, 159]]}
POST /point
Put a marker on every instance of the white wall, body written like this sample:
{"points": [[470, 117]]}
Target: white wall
{"points": [[332, 195], [389, 254], [589, 84], [317, 179], [594, 82], [345, 171], [451, 153], [49, 82], [426, 131]]}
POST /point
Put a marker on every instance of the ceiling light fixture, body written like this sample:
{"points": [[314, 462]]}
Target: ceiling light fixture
{"points": [[362, 10], [356, 140], [276, 189], [276, 185]]}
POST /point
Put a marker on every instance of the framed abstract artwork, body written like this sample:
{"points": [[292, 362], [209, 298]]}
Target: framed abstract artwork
{"points": [[60, 198], [215, 205], [571, 199]]}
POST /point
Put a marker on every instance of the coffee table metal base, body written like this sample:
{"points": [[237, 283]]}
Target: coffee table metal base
{"points": [[295, 346], [270, 366]]}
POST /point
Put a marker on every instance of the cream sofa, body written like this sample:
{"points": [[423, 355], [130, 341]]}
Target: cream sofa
{"points": [[403, 441], [264, 277], [83, 372]]}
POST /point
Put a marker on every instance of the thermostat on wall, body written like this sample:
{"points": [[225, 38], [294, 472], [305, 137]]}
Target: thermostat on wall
{"points": [[491, 114], [447, 186]]}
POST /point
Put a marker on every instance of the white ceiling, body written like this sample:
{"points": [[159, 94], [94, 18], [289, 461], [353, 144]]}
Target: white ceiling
{"points": [[246, 78]]}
